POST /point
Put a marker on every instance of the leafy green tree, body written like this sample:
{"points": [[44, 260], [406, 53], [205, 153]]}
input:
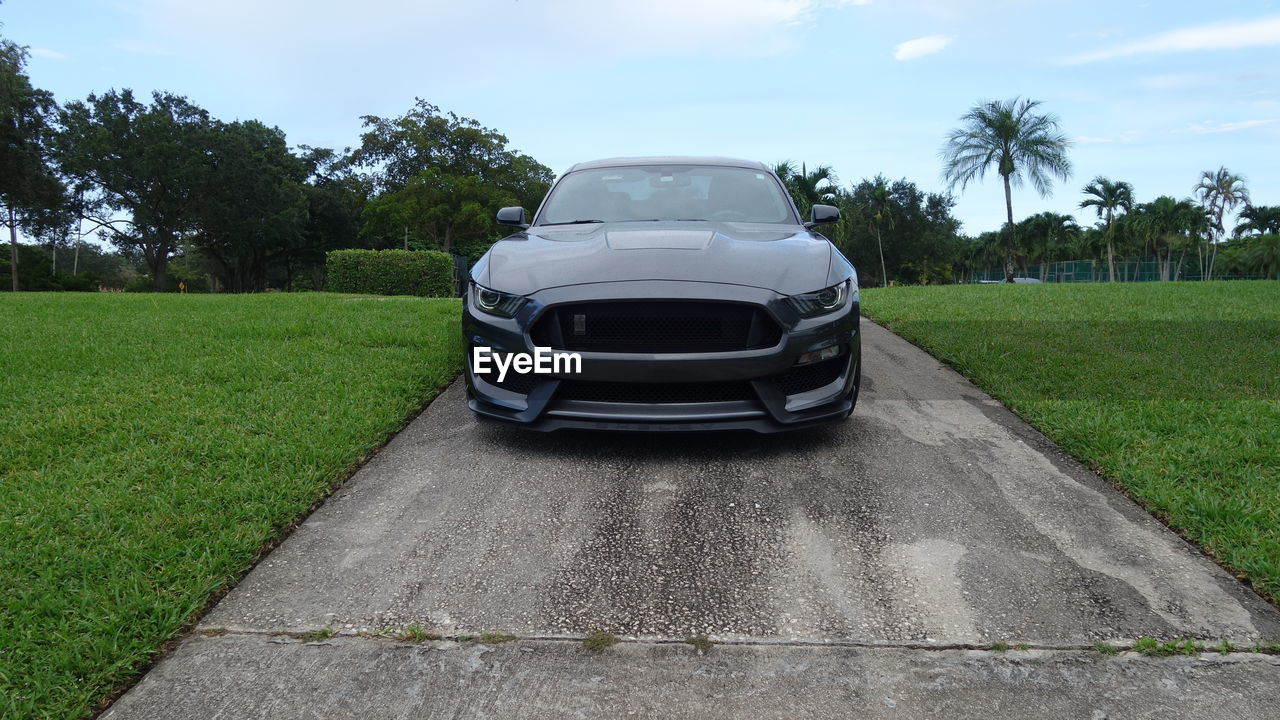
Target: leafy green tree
{"points": [[441, 207], [1106, 197], [142, 168], [921, 244], [1220, 192], [1019, 143], [335, 200], [441, 177], [31, 193], [252, 208]]}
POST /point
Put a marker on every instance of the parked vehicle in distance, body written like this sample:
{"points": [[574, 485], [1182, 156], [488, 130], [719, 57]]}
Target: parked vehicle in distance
{"points": [[693, 292]]}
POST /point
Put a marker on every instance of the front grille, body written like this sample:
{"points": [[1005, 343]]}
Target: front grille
{"points": [[520, 383], [811, 377], [656, 327], [654, 393]]}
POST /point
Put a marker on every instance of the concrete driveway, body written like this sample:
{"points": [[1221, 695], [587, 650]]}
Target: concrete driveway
{"points": [[855, 570]]}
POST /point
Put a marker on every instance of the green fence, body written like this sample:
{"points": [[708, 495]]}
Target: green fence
{"points": [[1096, 271]]}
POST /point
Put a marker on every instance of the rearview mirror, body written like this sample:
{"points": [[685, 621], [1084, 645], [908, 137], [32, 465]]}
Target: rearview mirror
{"points": [[512, 216], [823, 215]]}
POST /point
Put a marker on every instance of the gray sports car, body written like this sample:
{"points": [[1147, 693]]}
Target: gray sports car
{"points": [[680, 293]]}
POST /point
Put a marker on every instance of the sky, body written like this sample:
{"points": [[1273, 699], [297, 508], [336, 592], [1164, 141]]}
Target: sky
{"points": [[1152, 93]]}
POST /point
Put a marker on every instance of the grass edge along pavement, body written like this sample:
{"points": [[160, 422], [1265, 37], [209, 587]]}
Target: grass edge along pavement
{"points": [[1169, 390], [152, 445]]}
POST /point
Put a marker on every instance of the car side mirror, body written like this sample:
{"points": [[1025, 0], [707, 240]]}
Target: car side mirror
{"points": [[823, 215], [512, 216]]}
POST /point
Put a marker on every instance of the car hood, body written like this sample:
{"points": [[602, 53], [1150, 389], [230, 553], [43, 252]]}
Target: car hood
{"points": [[787, 259]]}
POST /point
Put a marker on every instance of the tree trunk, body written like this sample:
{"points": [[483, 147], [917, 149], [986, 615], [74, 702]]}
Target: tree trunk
{"points": [[158, 262], [1008, 231], [884, 276], [1213, 233], [1111, 252], [13, 248]]}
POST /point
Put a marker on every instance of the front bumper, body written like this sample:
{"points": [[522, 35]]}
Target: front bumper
{"points": [[753, 389]]}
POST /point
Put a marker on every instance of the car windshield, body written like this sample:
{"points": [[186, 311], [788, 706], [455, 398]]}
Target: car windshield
{"points": [[674, 192]]}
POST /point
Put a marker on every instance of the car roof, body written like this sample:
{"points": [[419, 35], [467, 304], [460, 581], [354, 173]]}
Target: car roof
{"points": [[669, 160]]}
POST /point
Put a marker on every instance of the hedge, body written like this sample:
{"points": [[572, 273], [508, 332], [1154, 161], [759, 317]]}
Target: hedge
{"points": [[390, 272]]}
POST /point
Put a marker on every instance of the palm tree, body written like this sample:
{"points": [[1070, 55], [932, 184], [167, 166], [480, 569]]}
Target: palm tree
{"points": [[808, 188], [879, 213], [1020, 143], [1166, 223], [1263, 255], [1220, 192], [1259, 219], [1048, 233], [1106, 197]]}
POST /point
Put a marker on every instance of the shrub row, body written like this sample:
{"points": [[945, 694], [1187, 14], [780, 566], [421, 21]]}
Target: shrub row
{"points": [[390, 272]]}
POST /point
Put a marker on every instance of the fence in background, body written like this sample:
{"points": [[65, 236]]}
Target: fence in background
{"points": [[1096, 271]]}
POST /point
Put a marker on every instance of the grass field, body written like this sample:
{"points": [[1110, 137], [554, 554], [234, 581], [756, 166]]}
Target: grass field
{"points": [[1172, 390], [150, 445]]}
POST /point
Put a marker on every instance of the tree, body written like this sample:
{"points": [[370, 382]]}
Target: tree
{"points": [[808, 188], [1263, 255], [1166, 224], [1047, 234], [31, 193], [1106, 197], [916, 235], [143, 169], [252, 209], [1261, 219], [1021, 144], [879, 214], [1220, 191], [441, 176]]}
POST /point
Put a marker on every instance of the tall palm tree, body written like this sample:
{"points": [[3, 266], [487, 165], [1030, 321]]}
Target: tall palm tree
{"points": [[1220, 192], [878, 210], [1106, 197], [1021, 144]]}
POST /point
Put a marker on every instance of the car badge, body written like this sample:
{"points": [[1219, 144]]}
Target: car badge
{"points": [[579, 324]]}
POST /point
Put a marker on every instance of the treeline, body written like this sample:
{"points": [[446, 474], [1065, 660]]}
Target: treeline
{"points": [[891, 230], [229, 205], [1182, 238]]}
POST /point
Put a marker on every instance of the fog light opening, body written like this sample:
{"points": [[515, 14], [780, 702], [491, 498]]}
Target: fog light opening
{"points": [[819, 355]]}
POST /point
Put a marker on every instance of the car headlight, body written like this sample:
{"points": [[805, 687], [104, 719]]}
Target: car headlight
{"points": [[821, 302], [496, 303]]}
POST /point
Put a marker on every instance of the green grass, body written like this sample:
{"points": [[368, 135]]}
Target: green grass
{"points": [[150, 445], [599, 640], [1172, 390]]}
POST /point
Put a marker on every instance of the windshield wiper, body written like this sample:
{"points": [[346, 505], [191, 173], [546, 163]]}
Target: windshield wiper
{"points": [[574, 222]]}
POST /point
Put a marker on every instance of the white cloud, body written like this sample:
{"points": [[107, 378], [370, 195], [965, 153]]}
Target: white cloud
{"points": [[1218, 36], [47, 53], [1209, 126], [1086, 140], [921, 46]]}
